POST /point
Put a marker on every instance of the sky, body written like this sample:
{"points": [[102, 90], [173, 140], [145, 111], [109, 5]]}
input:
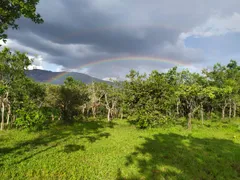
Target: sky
{"points": [[77, 34]]}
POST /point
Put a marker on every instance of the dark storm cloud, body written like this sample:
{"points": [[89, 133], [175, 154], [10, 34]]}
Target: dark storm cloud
{"points": [[77, 32], [32, 40], [109, 39]]}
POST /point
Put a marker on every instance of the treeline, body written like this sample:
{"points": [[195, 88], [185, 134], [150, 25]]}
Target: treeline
{"points": [[145, 100]]}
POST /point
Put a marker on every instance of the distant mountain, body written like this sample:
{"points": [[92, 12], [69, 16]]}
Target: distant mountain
{"points": [[59, 77]]}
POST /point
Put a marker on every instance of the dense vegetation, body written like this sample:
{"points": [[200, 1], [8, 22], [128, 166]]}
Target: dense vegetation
{"points": [[148, 101]]}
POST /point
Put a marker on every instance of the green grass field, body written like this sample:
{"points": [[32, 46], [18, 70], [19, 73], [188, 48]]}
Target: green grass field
{"points": [[99, 150]]}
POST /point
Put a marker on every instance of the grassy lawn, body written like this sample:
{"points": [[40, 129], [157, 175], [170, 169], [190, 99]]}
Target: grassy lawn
{"points": [[99, 150]]}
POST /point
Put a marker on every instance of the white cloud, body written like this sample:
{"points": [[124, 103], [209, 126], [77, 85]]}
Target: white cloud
{"points": [[59, 69], [37, 62], [215, 26], [110, 79]]}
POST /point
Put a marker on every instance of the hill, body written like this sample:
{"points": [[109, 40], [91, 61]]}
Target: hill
{"points": [[49, 76]]}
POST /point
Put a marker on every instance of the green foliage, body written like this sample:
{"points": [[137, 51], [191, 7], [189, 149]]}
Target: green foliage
{"points": [[151, 100], [34, 118], [2, 89], [72, 95], [19, 95], [182, 94], [12, 66], [143, 119], [10, 10], [30, 118]]}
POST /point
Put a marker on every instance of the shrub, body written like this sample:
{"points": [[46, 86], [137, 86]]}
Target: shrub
{"points": [[144, 119], [32, 117]]}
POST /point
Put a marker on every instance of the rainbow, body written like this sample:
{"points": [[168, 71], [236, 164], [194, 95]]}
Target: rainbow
{"points": [[129, 58]]}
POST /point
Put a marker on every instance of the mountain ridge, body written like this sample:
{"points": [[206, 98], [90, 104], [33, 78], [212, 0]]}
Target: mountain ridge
{"points": [[45, 76]]}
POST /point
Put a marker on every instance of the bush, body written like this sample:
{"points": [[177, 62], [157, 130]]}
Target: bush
{"points": [[79, 118], [214, 117], [36, 118], [30, 119], [146, 119]]}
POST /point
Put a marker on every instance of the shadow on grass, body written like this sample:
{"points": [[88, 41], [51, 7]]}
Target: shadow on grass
{"points": [[94, 138], [73, 147], [172, 156], [90, 131]]}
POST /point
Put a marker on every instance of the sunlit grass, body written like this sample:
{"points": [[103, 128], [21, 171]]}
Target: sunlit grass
{"points": [[99, 150]]}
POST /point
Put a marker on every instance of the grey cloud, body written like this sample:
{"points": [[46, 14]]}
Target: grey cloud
{"points": [[32, 40], [77, 32], [120, 69]]}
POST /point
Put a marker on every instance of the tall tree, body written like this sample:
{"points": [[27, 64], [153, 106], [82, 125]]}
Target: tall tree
{"points": [[73, 94], [12, 67], [233, 75]]}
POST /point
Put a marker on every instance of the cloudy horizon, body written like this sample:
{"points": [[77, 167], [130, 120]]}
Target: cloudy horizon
{"points": [[78, 33]]}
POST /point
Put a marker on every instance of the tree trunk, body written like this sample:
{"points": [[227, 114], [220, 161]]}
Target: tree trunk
{"points": [[94, 112], [83, 110], [234, 109], [223, 110], [2, 123], [201, 112], [52, 117], [8, 114], [109, 115], [121, 113], [230, 110], [189, 121], [13, 120], [88, 112]]}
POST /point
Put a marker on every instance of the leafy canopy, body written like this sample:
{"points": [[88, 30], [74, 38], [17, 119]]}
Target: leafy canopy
{"points": [[11, 10]]}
